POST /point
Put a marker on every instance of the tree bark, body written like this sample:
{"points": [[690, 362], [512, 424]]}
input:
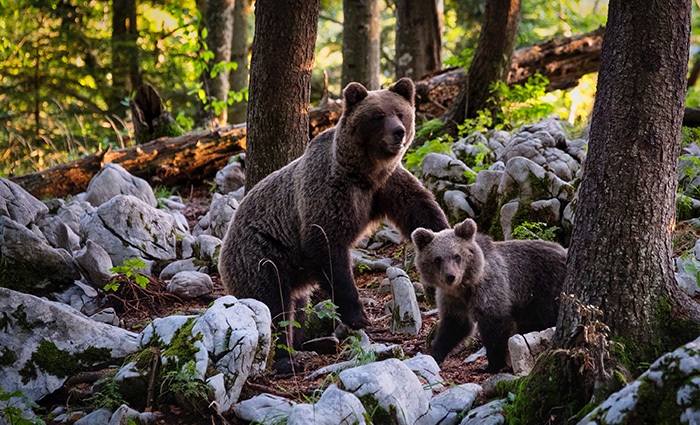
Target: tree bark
{"points": [[183, 160], [620, 258], [238, 78], [418, 37], [491, 60], [126, 71], [361, 43], [563, 60], [218, 19], [280, 77]]}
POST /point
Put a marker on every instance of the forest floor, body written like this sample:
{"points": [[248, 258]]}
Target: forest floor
{"points": [[135, 315]]}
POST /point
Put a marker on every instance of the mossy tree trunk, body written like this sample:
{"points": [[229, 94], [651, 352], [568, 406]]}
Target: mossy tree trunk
{"points": [[620, 259], [126, 69], [280, 84], [361, 43], [491, 60]]}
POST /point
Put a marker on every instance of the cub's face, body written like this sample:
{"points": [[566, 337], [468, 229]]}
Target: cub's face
{"points": [[449, 259], [381, 121]]}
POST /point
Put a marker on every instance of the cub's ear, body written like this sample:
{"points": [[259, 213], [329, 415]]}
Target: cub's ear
{"points": [[353, 94], [466, 229], [422, 237], [405, 88]]}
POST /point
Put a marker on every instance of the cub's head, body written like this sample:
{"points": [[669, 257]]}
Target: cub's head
{"points": [[449, 258], [377, 124]]}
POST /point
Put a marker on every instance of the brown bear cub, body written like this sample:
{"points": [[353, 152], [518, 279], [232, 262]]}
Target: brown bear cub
{"points": [[505, 287], [294, 230]]}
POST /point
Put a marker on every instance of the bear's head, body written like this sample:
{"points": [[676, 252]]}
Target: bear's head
{"points": [[377, 126], [449, 258]]}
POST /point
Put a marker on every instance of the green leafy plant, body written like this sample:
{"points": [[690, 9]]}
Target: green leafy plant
{"points": [[128, 269], [108, 396], [354, 350], [482, 122], [520, 104], [414, 158], [539, 230], [11, 411], [691, 265], [186, 384]]}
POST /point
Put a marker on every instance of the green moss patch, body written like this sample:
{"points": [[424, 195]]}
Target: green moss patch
{"points": [[51, 359]]}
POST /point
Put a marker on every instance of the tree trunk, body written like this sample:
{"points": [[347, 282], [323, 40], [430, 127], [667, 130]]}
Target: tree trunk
{"points": [[621, 250], [418, 37], [491, 60], [183, 160], [218, 21], [238, 78], [361, 43], [126, 71], [280, 84]]}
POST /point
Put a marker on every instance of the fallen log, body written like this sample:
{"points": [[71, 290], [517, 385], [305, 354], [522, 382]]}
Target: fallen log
{"points": [[562, 60], [167, 161]]}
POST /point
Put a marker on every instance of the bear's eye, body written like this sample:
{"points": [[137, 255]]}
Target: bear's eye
{"points": [[400, 115], [378, 116], [457, 259], [437, 261]]}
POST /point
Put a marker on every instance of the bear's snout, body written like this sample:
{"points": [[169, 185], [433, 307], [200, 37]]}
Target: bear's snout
{"points": [[450, 278], [399, 134]]}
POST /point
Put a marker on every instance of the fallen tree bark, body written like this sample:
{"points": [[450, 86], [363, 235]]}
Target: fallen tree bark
{"points": [[562, 60], [172, 161]]}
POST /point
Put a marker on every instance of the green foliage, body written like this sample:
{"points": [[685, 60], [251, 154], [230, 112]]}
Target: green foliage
{"points": [[690, 135], [354, 350], [108, 396], [521, 104], [461, 60], [186, 383], [691, 265], [539, 230], [128, 269], [10, 410], [414, 158], [482, 122]]}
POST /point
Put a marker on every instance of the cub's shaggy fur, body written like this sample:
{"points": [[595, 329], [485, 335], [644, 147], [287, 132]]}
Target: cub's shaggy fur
{"points": [[295, 228], [505, 287]]}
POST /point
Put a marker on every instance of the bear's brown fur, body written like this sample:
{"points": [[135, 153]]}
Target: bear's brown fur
{"points": [[505, 287], [295, 228]]}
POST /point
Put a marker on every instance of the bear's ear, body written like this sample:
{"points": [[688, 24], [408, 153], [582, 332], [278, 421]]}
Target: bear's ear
{"points": [[405, 88], [353, 94], [422, 237], [466, 229]]}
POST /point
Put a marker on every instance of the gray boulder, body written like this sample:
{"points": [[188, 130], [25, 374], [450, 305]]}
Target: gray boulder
{"points": [[389, 390], [335, 407], [186, 265], [450, 405], [50, 342], [232, 176], [487, 414], [670, 389], [524, 349], [226, 345], [215, 222], [94, 263], [264, 409], [18, 205], [58, 234], [126, 228], [405, 314], [72, 212], [29, 264], [113, 180], [188, 285]]}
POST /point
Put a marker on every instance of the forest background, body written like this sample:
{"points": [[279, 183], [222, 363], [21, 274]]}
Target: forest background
{"points": [[69, 67]]}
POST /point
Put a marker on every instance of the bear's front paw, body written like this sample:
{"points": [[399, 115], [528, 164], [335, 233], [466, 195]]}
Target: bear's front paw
{"points": [[355, 318]]}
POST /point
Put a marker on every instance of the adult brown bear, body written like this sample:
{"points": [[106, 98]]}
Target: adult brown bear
{"points": [[294, 230]]}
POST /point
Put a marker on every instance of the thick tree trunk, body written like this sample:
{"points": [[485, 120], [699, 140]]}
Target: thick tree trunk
{"points": [[491, 60], [563, 60], [166, 161], [126, 72], [219, 23], [418, 37], [361, 43], [238, 78], [621, 249], [280, 76]]}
